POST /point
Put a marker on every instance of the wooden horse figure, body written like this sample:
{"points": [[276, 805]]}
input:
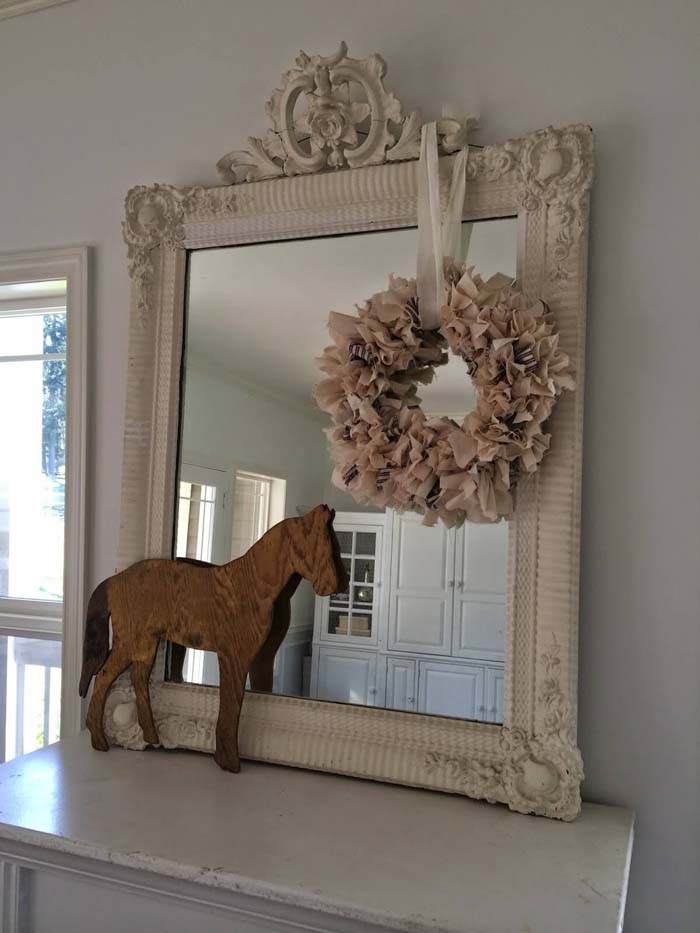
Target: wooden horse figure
{"points": [[227, 609], [263, 667]]}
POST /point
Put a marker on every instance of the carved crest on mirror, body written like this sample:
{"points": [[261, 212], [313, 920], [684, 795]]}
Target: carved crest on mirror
{"points": [[340, 157], [348, 119]]}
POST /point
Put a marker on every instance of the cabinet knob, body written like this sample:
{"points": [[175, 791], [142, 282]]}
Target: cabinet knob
{"points": [[451, 584], [461, 584]]}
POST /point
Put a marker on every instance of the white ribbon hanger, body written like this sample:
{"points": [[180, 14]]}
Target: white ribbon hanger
{"points": [[438, 237]]}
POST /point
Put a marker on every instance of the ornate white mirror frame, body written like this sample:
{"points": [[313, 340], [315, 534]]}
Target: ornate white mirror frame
{"points": [[531, 763]]}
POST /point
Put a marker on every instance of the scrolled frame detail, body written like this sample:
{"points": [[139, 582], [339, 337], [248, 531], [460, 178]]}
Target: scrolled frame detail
{"points": [[531, 763]]}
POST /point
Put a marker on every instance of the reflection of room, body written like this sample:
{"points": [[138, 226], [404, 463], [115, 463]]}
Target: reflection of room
{"points": [[422, 625]]}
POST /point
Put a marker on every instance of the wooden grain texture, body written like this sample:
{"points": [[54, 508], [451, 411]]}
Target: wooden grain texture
{"points": [[234, 609], [262, 668]]}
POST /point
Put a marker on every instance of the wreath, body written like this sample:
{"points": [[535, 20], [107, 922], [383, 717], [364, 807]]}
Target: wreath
{"points": [[387, 451]]}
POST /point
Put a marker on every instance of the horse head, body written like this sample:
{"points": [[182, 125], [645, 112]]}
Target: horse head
{"points": [[319, 552]]}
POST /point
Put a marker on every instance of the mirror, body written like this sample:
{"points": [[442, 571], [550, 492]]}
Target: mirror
{"points": [[421, 626]]}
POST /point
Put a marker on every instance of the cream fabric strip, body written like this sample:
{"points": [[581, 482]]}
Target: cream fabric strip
{"points": [[452, 244], [429, 276], [438, 237]]}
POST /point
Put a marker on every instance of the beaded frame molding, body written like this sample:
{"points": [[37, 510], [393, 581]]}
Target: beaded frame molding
{"points": [[344, 167]]}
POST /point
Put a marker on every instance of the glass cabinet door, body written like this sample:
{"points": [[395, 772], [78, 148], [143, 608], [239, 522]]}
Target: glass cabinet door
{"points": [[352, 614]]}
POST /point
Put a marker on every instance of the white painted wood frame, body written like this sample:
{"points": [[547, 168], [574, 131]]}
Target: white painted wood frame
{"points": [[43, 620], [532, 762]]}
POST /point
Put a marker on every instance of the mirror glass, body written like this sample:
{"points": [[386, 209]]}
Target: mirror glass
{"points": [[421, 625]]}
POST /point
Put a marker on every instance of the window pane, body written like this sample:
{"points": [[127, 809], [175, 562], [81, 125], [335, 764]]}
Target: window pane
{"points": [[365, 543], [22, 335], [195, 521], [362, 597], [251, 512], [364, 570], [342, 595], [32, 334], [30, 694], [32, 476]]}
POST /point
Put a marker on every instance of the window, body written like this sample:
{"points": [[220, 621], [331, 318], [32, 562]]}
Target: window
{"points": [[218, 525], [41, 495], [33, 457], [251, 511], [201, 514], [195, 526], [31, 671]]}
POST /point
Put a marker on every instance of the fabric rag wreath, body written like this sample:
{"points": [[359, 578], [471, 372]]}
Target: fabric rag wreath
{"points": [[387, 451]]}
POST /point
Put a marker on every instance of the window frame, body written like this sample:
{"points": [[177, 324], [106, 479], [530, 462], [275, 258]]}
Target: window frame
{"points": [[46, 619], [190, 470], [260, 517]]}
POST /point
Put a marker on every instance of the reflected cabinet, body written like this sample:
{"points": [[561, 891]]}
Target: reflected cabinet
{"points": [[421, 627]]}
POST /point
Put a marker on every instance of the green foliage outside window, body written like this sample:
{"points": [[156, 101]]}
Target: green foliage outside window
{"points": [[53, 446]]}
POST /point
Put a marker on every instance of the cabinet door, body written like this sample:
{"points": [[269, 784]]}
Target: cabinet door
{"points": [[422, 586], [401, 683], [494, 694], [447, 689], [352, 617], [480, 593], [347, 676]]}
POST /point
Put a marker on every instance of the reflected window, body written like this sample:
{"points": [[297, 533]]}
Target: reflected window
{"points": [[195, 527], [252, 499]]}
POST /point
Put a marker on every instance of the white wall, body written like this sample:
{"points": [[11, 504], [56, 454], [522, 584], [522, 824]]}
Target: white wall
{"points": [[229, 426], [98, 96]]}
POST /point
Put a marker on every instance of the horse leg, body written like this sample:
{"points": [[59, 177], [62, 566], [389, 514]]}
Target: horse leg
{"points": [[232, 675], [140, 675], [262, 668], [177, 662], [116, 663]]}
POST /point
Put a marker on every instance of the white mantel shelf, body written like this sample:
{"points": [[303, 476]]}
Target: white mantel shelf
{"points": [[279, 848]]}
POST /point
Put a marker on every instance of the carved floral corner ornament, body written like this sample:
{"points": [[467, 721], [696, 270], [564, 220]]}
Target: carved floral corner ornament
{"points": [[553, 167], [154, 217], [538, 773]]}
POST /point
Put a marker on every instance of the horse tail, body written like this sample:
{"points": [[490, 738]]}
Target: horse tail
{"points": [[96, 640]]}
